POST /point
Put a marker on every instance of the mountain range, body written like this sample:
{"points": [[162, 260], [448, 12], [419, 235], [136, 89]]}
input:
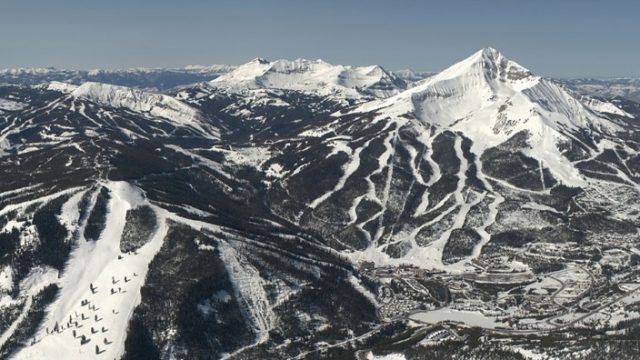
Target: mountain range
{"points": [[299, 209]]}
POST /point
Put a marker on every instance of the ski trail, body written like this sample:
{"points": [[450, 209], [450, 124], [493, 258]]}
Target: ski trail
{"points": [[437, 174], [544, 186], [371, 194], [415, 170], [14, 326], [438, 245], [347, 171], [82, 112], [387, 185], [36, 281], [12, 207], [249, 289], [100, 287], [493, 212]]}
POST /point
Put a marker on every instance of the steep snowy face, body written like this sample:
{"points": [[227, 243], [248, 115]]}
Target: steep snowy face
{"points": [[490, 98], [314, 76], [153, 104], [604, 107]]}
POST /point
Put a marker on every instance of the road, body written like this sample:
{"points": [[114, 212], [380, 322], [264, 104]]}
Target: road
{"points": [[361, 354], [557, 327], [554, 327], [344, 342], [555, 294]]}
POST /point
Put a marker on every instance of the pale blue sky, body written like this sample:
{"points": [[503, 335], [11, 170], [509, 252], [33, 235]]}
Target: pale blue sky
{"points": [[562, 38]]}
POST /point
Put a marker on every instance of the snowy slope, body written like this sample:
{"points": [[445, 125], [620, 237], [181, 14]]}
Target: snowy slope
{"points": [[315, 76], [422, 177], [604, 107], [61, 87], [297, 182], [158, 105], [490, 98], [10, 105], [104, 318]]}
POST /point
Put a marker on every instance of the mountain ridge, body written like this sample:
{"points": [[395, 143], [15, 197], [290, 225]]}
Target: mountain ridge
{"points": [[282, 222], [489, 98], [312, 75]]}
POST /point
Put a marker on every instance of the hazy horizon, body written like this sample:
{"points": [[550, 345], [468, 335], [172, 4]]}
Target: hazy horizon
{"points": [[572, 39]]}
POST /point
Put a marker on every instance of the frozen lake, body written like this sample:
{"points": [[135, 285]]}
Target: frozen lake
{"points": [[471, 318]]}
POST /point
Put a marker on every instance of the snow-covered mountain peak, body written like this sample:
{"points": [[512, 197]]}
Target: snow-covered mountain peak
{"points": [[487, 65], [137, 100], [259, 60], [486, 83], [490, 98], [316, 76], [61, 86]]}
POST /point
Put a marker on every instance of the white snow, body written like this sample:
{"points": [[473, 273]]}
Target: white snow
{"points": [[38, 278], [470, 318], [96, 263], [314, 76], [275, 170], [348, 169], [530, 354], [61, 87], [490, 98], [249, 289], [11, 105], [253, 156], [6, 279], [156, 105], [206, 307], [12, 207], [362, 290], [604, 107], [371, 356]]}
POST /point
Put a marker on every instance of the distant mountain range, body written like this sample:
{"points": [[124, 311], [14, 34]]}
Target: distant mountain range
{"points": [[623, 88], [153, 78], [167, 78]]}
